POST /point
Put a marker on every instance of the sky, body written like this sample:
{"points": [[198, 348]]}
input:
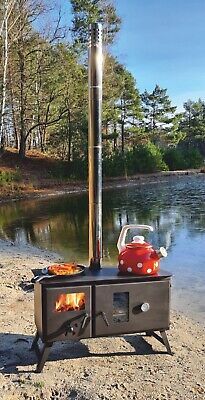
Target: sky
{"points": [[162, 42]]}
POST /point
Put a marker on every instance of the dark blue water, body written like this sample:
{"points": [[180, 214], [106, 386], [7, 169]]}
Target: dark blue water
{"points": [[176, 210]]}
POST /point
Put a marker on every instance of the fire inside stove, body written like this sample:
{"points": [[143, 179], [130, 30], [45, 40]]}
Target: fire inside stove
{"points": [[70, 302]]}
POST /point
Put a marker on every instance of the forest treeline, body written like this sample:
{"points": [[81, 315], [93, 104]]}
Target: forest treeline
{"points": [[44, 95]]}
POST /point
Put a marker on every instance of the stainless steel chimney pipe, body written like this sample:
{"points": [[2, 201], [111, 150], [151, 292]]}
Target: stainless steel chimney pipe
{"points": [[95, 145]]}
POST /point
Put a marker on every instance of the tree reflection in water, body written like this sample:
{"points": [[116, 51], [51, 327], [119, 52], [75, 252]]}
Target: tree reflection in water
{"points": [[61, 224]]}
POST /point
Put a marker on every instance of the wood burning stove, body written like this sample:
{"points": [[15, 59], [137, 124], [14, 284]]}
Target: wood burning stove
{"points": [[100, 302]]}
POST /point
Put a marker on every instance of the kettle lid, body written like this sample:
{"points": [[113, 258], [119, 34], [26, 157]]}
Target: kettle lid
{"points": [[138, 239]]}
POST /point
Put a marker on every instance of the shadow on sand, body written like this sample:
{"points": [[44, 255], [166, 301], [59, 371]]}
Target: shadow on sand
{"points": [[15, 351]]}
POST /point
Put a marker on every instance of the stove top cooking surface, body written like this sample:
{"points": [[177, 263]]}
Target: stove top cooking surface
{"points": [[103, 275]]}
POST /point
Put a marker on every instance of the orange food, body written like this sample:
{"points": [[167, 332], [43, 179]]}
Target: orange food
{"points": [[64, 269]]}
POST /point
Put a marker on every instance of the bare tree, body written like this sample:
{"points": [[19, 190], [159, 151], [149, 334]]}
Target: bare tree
{"points": [[4, 34]]}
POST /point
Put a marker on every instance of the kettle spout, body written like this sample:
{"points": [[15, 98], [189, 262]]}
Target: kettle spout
{"points": [[161, 252]]}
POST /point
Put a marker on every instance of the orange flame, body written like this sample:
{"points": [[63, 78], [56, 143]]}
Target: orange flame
{"points": [[70, 302]]}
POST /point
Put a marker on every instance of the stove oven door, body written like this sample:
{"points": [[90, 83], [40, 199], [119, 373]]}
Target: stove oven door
{"points": [[66, 313], [132, 307]]}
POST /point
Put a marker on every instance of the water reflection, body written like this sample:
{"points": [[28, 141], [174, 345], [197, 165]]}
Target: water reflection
{"points": [[175, 209]]}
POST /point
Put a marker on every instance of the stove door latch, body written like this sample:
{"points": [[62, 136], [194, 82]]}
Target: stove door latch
{"points": [[104, 317], [69, 328]]}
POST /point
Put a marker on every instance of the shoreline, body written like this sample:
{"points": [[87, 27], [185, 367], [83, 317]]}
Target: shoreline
{"points": [[125, 367], [108, 183]]}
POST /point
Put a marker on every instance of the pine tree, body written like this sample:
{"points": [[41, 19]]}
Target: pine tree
{"points": [[86, 12], [129, 105], [193, 122], [121, 104], [160, 122]]}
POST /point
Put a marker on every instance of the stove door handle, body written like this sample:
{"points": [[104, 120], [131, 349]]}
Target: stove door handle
{"points": [[85, 319], [104, 317]]}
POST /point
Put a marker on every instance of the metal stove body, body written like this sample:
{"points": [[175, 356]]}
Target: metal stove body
{"points": [[112, 305]]}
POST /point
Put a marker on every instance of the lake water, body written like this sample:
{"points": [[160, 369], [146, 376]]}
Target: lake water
{"points": [[176, 210]]}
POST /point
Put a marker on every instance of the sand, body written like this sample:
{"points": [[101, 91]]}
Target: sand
{"points": [[126, 367]]}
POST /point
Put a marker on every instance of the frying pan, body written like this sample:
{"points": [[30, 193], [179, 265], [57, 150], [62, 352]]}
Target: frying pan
{"points": [[45, 274]]}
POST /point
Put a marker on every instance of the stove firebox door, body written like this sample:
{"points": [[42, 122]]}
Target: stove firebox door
{"points": [[67, 313], [132, 307]]}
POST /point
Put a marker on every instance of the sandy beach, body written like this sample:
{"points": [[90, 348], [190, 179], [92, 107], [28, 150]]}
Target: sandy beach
{"points": [[126, 367]]}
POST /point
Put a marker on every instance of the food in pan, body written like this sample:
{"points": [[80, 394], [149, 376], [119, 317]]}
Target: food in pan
{"points": [[64, 269]]}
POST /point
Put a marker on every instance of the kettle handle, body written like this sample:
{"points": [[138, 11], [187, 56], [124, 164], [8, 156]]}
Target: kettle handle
{"points": [[123, 233]]}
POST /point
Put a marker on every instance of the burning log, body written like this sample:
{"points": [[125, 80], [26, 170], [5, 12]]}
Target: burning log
{"points": [[70, 302]]}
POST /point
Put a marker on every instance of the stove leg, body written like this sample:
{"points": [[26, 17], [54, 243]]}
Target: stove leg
{"points": [[35, 341], [162, 339], [166, 342], [43, 356]]}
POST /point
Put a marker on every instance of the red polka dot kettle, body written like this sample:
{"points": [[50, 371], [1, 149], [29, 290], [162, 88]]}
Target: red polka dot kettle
{"points": [[138, 257]]}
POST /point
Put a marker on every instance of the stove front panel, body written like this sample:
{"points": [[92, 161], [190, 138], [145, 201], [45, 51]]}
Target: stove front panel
{"points": [[132, 307], [66, 313]]}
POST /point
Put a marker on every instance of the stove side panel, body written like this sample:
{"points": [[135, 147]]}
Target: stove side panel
{"points": [[38, 316]]}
